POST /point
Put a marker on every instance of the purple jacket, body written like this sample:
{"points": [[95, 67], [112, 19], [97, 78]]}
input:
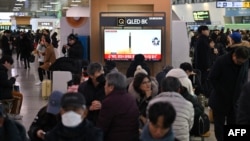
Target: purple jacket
{"points": [[118, 117]]}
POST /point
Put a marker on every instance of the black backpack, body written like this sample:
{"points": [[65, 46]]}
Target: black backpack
{"points": [[201, 125]]}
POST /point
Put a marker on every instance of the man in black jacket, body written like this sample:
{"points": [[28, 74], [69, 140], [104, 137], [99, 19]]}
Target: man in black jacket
{"points": [[6, 85], [74, 50], [227, 77], [243, 112], [93, 90], [74, 126], [202, 55], [47, 118], [10, 130]]}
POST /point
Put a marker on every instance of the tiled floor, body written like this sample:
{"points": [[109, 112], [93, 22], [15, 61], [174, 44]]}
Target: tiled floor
{"points": [[32, 101]]}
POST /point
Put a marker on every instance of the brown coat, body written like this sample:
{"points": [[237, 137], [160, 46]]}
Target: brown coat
{"points": [[49, 57]]}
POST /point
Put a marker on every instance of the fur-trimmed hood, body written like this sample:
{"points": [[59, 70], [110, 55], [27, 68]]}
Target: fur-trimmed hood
{"points": [[136, 95]]}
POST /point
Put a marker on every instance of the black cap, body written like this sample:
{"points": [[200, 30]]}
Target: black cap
{"points": [[72, 37], [73, 100]]}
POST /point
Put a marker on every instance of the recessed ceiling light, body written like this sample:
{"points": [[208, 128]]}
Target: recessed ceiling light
{"points": [[16, 10], [65, 8], [54, 3], [19, 4], [17, 7], [76, 1], [20, 0], [43, 9], [47, 6], [74, 5]]}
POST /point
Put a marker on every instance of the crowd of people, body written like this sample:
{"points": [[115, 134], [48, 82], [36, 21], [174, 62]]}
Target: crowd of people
{"points": [[137, 106]]}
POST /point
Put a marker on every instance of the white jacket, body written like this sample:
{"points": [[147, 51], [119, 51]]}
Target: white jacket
{"points": [[184, 113], [40, 49]]}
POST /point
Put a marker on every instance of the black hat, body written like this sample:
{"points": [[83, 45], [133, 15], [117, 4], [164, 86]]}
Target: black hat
{"points": [[72, 37], [73, 100], [139, 58]]}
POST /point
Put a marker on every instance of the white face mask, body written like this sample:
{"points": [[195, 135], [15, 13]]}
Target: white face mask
{"points": [[71, 119]]}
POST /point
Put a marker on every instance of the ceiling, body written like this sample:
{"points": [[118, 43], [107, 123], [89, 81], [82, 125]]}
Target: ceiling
{"points": [[39, 7]]}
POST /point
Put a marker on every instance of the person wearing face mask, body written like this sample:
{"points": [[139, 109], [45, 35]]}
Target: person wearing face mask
{"points": [[93, 90], [74, 126]]}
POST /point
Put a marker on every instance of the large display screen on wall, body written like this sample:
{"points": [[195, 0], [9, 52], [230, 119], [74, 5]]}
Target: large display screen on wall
{"points": [[123, 44], [201, 16]]}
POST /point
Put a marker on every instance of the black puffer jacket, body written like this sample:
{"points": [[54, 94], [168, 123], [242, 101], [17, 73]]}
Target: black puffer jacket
{"points": [[12, 131], [6, 85], [44, 121], [83, 132], [75, 51]]}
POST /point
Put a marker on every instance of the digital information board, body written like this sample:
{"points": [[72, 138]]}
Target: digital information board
{"points": [[227, 4]]}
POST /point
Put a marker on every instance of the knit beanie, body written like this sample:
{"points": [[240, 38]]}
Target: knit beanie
{"points": [[139, 69], [183, 78]]}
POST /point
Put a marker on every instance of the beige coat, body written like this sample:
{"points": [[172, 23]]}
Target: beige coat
{"points": [[49, 57]]}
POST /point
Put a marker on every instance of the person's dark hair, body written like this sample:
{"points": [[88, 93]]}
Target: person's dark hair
{"points": [[170, 84], [201, 28], [186, 66], [76, 80], [7, 58], [109, 65], [138, 80], [242, 52], [139, 58], [116, 79], [93, 67], [54, 34], [47, 39], [164, 109], [167, 68]]}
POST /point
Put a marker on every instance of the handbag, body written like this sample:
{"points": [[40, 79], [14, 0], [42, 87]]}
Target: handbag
{"points": [[32, 58]]}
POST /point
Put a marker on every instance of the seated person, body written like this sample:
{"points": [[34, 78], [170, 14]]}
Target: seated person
{"points": [[47, 118], [74, 126], [10, 130], [170, 92], [119, 114], [161, 116], [6, 84], [49, 59], [194, 75]]}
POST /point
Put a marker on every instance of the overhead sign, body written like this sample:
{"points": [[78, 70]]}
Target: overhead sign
{"points": [[133, 21], [201, 16], [45, 23], [230, 4]]}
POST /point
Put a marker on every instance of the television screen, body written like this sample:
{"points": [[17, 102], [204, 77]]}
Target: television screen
{"points": [[201, 16], [123, 44]]}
